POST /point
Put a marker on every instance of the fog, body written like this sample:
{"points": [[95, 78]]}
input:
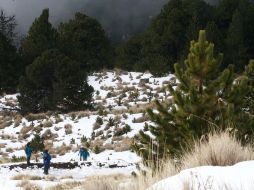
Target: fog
{"points": [[120, 18]]}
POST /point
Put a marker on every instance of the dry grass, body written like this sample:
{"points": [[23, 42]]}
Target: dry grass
{"points": [[47, 124], [221, 149], [33, 117], [5, 122], [100, 183], [17, 120], [2, 145], [26, 185], [48, 135], [66, 186], [26, 129], [68, 129], [26, 177], [61, 150]]}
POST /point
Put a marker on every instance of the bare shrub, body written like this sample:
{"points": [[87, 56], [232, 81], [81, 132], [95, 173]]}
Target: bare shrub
{"points": [[99, 133], [61, 150], [2, 145], [98, 143], [5, 123], [58, 120], [141, 119], [123, 145], [96, 126], [38, 128], [49, 135], [48, 145], [10, 150], [47, 124], [68, 129], [221, 149], [17, 120], [33, 117], [26, 129]]}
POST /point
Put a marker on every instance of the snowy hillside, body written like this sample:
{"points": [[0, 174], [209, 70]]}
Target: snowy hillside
{"points": [[121, 99]]}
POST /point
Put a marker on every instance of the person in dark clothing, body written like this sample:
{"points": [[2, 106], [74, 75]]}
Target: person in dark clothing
{"points": [[83, 153], [46, 161], [28, 151]]}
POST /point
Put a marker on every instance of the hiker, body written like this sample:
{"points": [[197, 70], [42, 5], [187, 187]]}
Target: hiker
{"points": [[28, 151], [83, 153], [46, 161]]}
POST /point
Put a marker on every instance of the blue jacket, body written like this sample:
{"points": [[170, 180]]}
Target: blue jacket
{"points": [[28, 151], [84, 153], [46, 159]]}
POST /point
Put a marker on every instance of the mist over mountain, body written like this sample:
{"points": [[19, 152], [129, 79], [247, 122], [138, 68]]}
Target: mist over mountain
{"points": [[120, 18]]}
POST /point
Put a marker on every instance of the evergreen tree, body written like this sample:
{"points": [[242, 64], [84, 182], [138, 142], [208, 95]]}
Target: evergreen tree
{"points": [[7, 25], [204, 99], [246, 121], [236, 51], [41, 37], [37, 145], [10, 67], [84, 40], [129, 53], [215, 36], [54, 82], [167, 35]]}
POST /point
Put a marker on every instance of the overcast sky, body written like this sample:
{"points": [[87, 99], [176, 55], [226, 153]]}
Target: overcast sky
{"points": [[117, 16]]}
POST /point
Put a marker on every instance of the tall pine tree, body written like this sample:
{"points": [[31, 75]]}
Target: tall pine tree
{"points": [[54, 82], [83, 39], [10, 66], [236, 50], [204, 99], [41, 37]]}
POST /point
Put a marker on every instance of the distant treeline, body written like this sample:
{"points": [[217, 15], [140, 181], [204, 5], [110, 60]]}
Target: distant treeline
{"points": [[50, 65], [229, 25]]}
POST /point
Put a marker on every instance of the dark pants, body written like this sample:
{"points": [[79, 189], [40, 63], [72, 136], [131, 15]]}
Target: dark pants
{"points": [[83, 158], [46, 169], [28, 161]]}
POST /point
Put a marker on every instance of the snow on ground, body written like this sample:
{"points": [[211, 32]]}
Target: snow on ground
{"points": [[237, 177], [119, 95], [126, 159], [109, 90]]}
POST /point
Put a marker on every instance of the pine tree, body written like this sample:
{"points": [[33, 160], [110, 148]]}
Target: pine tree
{"points": [[249, 98], [236, 50], [83, 39], [10, 67], [7, 25], [37, 145], [54, 82], [41, 37], [204, 99]]}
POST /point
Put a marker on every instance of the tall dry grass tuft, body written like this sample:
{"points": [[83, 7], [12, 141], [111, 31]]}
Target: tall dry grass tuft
{"points": [[221, 149], [26, 185], [150, 176], [111, 182], [25, 177]]}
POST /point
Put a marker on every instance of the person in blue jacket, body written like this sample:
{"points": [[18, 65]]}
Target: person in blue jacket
{"points": [[46, 161], [28, 151], [83, 153]]}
